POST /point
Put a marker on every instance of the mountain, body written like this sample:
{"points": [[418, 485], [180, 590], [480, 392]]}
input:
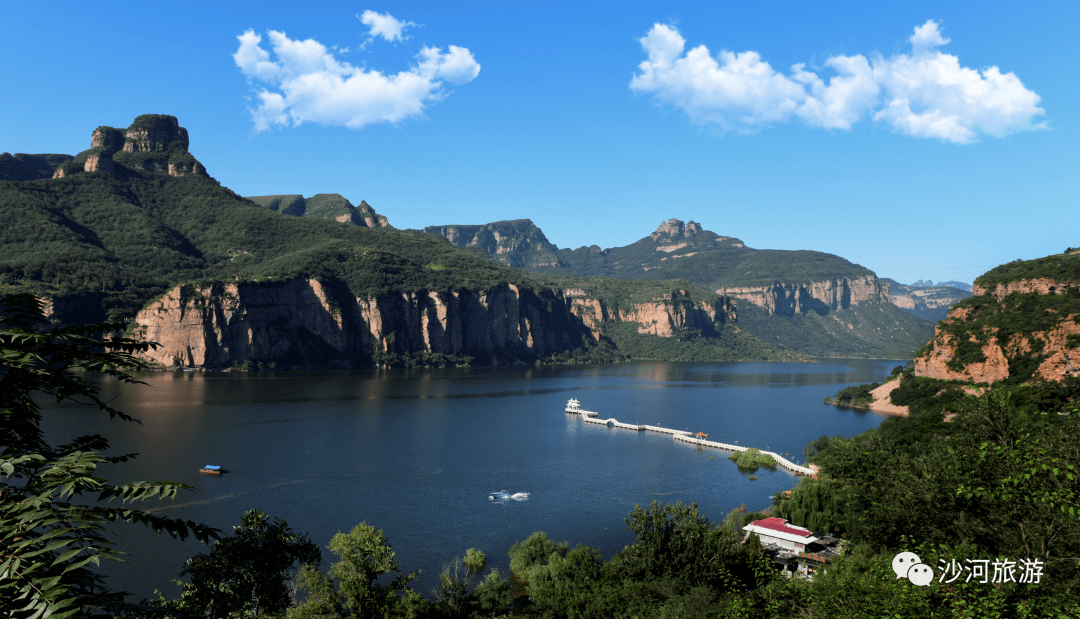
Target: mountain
{"points": [[324, 206], [807, 302], [518, 243], [951, 284], [23, 167], [928, 302], [1018, 332], [135, 229], [1020, 324]]}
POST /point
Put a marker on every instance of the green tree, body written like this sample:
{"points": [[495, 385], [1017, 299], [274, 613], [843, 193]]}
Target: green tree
{"points": [[475, 559], [54, 505], [351, 586], [247, 574]]}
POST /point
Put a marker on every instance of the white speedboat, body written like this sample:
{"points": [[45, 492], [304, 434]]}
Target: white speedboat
{"points": [[501, 495]]}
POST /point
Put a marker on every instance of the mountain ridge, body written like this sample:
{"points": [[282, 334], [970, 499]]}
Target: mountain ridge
{"points": [[786, 285]]}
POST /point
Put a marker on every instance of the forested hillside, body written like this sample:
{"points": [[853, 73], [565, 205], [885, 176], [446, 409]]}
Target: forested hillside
{"points": [[806, 302]]}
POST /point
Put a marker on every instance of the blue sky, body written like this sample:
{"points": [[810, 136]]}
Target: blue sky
{"points": [[921, 140]]}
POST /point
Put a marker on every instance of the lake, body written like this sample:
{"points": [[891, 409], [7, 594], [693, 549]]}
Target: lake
{"points": [[416, 452]]}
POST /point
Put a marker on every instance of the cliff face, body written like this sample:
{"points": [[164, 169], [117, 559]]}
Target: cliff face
{"points": [[153, 142], [300, 324], [929, 302], [517, 243], [822, 296], [1021, 329], [665, 316]]}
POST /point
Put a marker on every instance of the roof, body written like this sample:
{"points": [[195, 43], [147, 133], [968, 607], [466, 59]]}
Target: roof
{"points": [[212, 466], [780, 529]]}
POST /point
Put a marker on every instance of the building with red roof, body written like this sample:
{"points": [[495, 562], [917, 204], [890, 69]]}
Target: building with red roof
{"points": [[795, 549]]}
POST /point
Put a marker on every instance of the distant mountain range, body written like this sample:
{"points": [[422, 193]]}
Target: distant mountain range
{"points": [[950, 284], [805, 301], [135, 228]]}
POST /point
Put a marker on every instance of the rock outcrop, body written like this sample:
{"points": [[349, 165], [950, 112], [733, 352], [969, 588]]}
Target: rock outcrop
{"points": [[153, 143], [984, 342], [516, 243], [302, 324], [1040, 285], [821, 296], [666, 316], [925, 301]]}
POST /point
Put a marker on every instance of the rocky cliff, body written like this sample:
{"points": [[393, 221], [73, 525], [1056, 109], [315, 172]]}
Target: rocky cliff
{"points": [[301, 323], [153, 143], [821, 296], [1014, 328], [517, 243], [790, 287], [665, 316], [923, 300]]}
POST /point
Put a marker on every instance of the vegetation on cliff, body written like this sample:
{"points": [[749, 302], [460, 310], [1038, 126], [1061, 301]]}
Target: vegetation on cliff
{"points": [[1063, 267], [134, 234], [881, 331], [323, 206], [118, 240], [709, 262]]}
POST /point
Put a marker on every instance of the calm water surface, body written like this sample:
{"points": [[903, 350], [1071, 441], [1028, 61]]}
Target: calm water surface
{"points": [[416, 452]]}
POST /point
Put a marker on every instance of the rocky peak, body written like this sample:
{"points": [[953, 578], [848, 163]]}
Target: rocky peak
{"points": [[517, 243], [107, 138], [153, 143], [675, 229], [155, 133]]}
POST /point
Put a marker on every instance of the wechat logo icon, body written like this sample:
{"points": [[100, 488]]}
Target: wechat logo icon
{"points": [[909, 565]]}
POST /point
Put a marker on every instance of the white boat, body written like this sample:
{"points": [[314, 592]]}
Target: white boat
{"points": [[498, 496]]}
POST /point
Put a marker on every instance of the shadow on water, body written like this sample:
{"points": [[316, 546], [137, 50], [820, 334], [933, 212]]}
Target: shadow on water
{"points": [[415, 452]]}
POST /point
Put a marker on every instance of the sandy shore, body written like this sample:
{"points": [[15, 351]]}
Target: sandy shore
{"points": [[882, 404]]}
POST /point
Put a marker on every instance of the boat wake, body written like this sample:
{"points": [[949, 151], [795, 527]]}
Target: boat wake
{"points": [[503, 496]]}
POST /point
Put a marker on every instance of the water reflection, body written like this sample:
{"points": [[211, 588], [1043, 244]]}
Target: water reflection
{"points": [[413, 452]]}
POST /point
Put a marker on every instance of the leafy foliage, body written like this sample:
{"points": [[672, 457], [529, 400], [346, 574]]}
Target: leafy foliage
{"points": [[24, 167], [246, 574], [1013, 322], [351, 587], [881, 331], [55, 507], [1059, 268], [856, 396]]}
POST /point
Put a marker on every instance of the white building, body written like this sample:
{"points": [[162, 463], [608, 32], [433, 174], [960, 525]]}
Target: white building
{"points": [[778, 532], [795, 549]]}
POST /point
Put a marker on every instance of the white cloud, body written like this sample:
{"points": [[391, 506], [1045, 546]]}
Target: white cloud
{"points": [[925, 94], [307, 83], [384, 25]]}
